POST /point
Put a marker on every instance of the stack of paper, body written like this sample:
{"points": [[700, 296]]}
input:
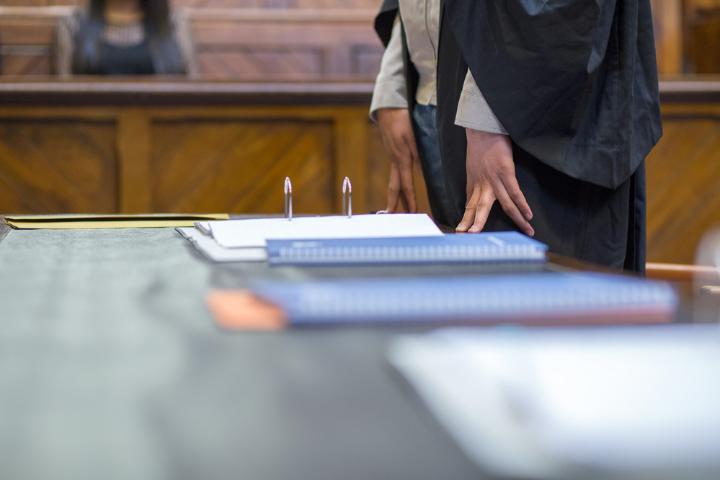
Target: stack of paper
{"points": [[246, 240]]}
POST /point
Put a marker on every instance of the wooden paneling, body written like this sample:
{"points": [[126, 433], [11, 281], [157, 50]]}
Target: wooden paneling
{"points": [[57, 165], [228, 158], [256, 45], [206, 162], [27, 44], [702, 33], [684, 182], [668, 22]]}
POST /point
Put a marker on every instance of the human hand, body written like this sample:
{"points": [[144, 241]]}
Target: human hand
{"points": [[399, 140], [490, 178]]}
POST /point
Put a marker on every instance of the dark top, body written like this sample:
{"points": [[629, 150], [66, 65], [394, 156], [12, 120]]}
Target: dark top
{"points": [[124, 60], [159, 53]]}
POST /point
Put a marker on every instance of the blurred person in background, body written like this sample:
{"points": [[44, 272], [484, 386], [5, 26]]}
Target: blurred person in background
{"points": [[124, 37]]}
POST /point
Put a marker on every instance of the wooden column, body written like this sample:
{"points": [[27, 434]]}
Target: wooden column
{"points": [[668, 20], [133, 148]]}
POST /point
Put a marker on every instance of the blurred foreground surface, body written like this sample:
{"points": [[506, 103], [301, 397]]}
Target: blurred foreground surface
{"points": [[111, 367]]}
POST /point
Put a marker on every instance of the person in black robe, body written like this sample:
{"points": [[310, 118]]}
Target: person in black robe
{"points": [[575, 86]]}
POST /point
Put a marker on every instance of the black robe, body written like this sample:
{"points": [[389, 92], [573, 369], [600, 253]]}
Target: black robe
{"points": [[575, 85]]}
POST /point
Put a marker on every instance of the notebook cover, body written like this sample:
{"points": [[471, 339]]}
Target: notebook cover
{"points": [[535, 299], [452, 248]]}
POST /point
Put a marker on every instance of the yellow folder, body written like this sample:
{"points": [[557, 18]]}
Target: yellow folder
{"points": [[84, 221]]}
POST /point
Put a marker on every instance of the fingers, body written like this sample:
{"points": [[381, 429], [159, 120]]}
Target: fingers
{"points": [[513, 189], [393, 193], [510, 209], [487, 199], [408, 189], [470, 208], [411, 145], [404, 204], [401, 193]]}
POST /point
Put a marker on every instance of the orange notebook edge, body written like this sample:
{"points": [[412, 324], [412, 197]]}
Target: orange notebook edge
{"points": [[241, 310]]}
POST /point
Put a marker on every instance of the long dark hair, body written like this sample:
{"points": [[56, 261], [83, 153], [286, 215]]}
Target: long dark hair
{"points": [[159, 30]]}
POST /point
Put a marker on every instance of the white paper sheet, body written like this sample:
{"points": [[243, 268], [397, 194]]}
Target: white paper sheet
{"points": [[210, 249], [254, 232]]}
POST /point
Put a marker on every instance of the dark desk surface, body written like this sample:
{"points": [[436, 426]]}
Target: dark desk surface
{"points": [[111, 367]]}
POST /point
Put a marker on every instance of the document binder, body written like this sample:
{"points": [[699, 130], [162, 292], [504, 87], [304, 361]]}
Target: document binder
{"points": [[214, 252], [255, 232], [539, 298], [453, 248]]}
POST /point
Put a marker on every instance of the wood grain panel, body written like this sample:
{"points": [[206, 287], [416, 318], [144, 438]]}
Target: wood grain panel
{"points": [[669, 37], [57, 166], [237, 165], [683, 183], [27, 45], [316, 45], [133, 146], [260, 63], [702, 32]]}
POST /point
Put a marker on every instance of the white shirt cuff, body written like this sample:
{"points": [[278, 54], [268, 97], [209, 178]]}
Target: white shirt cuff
{"points": [[473, 110], [388, 94]]}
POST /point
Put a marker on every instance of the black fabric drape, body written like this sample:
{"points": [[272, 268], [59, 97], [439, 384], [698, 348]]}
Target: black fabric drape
{"points": [[575, 217], [573, 82]]}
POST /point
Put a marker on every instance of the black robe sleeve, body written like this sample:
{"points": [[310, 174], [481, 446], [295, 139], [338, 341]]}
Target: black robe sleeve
{"points": [[573, 82], [385, 19]]}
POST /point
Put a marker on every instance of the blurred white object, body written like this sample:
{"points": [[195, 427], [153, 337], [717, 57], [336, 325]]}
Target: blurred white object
{"points": [[640, 403], [709, 249], [708, 254]]}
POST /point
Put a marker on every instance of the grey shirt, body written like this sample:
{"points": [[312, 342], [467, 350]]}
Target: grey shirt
{"points": [[421, 19]]}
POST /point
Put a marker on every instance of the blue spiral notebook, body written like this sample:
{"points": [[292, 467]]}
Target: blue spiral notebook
{"points": [[452, 248], [538, 298]]}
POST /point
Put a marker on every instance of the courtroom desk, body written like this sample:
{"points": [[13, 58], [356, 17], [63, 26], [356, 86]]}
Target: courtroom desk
{"points": [[111, 367], [162, 145]]}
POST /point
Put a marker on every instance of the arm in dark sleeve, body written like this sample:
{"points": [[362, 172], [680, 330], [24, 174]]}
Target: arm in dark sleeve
{"points": [[533, 60]]}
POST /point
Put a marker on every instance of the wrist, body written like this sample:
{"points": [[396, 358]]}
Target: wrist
{"points": [[471, 133]]}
